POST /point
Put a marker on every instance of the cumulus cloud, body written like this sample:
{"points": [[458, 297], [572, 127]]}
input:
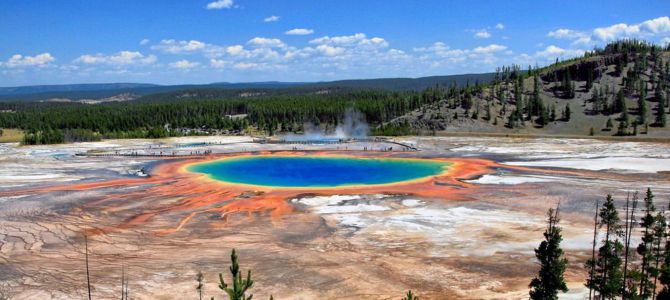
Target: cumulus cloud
{"points": [[266, 42], [299, 31], [340, 40], [120, 58], [648, 28], [500, 26], [482, 34], [578, 37], [616, 31], [441, 49], [235, 50], [39, 60], [441, 55], [271, 19], [176, 47], [351, 41], [653, 28], [553, 51], [220, 4], [218, 63], [328, 50], [183, 64], [564, 33], [490, 48], [244, 66], [144, 42]]}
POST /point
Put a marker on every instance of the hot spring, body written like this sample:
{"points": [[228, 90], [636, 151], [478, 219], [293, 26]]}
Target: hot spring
{"points": [[317, 171]]}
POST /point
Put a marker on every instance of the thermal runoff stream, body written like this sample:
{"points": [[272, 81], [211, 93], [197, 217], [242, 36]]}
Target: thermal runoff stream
{"points": [[317, 171]]}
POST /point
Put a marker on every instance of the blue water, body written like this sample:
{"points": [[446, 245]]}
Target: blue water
{"points": [[316, 171]]}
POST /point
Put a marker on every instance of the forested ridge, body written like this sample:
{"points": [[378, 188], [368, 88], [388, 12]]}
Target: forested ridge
{"points": [[623, 85], [621, 89]]}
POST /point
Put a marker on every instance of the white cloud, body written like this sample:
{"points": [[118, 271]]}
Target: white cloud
{"points": [[577, 37], [217, 63], [299, 31], [120, 58], [176, 47], [553, 51], [271, 19], [144, 42], [500, 26], [616, 31], [235, 50], [564, 33], [356, 42], [340, 40], [245, 66], [220, 4], [266, 42], [441, 49], [665, 41], [659, 27], [490, 48], [183, 64], [648, 28], [440, 55], [18, 60], [328, 50], [482, 34]]}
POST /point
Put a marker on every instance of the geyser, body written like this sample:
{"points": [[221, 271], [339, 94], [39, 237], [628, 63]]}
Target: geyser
{"points": [[352, 126], [317, 171]]}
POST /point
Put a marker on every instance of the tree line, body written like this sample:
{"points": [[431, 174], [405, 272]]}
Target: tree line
{"points": [[47, 123]]}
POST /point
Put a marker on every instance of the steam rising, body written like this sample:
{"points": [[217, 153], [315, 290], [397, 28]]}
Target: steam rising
{"points": [[352, 126]]}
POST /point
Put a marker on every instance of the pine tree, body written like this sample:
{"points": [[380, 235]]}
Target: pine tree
{"points": [[549, 280], [487, 112], [199, 287], [552, 113], [567, 112], [535, 100], [624, 115], [657, 248], [642, 105], [645, 248], [410, 296], [240, 286], [630, 279], [568, 85], [661, 117], [589, 79], [591, 263], [511, 119], [664, 275], [608, 278], [595, 99]]}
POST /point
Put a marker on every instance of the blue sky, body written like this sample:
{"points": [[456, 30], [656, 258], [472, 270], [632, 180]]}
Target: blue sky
{"points": [[170, 41]]}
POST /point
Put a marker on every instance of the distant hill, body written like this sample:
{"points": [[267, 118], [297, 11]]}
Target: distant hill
{"points": [[107, 90], [411, 84], [36, 89]]}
